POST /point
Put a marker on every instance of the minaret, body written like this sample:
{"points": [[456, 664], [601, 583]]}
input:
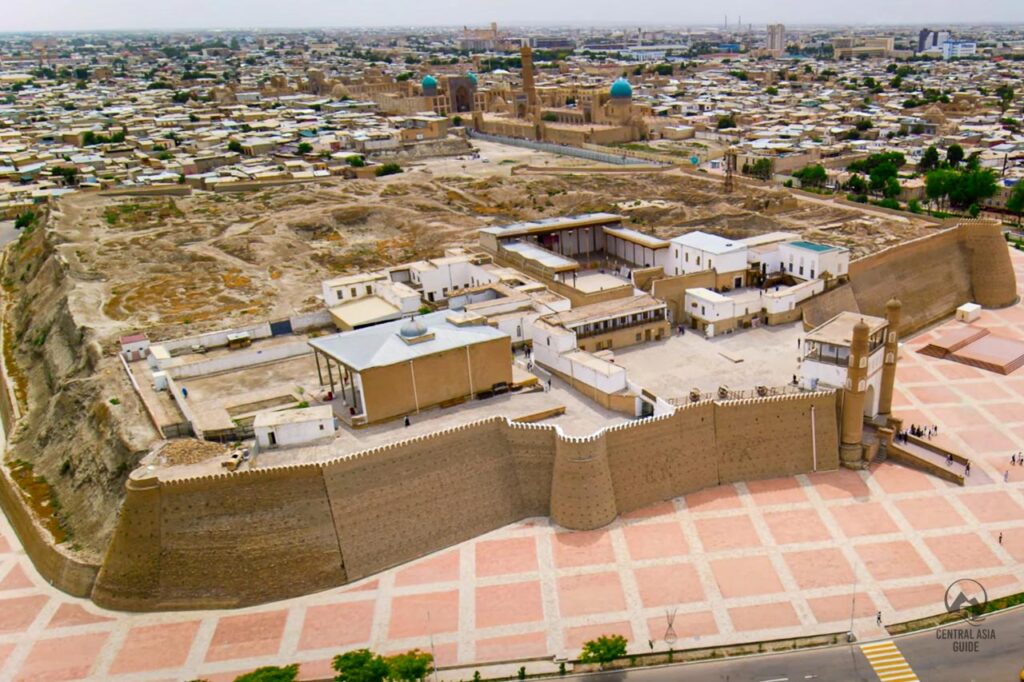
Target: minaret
{"points": [[892, 351], [526, 53], [853, 399]]}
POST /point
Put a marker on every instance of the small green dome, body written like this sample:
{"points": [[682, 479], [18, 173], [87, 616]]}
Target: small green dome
{"points": [[428, 82], [621, 89], [472, 76]]}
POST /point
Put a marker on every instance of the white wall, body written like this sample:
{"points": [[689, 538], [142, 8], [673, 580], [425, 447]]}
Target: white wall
{"points": [[297, 433], [237, 360]]}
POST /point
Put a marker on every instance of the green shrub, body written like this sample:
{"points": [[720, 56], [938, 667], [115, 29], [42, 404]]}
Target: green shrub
{"points": [[271, 673], [604, 649], [387, 169]]}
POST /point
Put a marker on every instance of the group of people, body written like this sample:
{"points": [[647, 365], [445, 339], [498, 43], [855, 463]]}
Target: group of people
{"points": [[918, 432]]}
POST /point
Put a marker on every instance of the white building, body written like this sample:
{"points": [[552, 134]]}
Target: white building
{"points": [[808, 260], [698, 251], [368, 298], [957, 49], [825, 356], [294, 427], [135, 346]]}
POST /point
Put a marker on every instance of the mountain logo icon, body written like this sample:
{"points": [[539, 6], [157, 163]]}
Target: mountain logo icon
{"points": [[967, 597]]}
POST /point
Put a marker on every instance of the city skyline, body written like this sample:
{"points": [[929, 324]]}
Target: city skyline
{"points": [[304, 14]]}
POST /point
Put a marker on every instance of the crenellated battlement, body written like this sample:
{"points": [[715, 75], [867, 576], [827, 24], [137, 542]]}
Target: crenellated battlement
{"points": [[304, 527]]}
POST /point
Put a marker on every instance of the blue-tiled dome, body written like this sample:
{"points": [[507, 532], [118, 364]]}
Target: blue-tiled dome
{"points": [[621, 89]]}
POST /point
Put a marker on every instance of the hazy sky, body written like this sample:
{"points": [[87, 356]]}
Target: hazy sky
{"points": [[62, 15]]}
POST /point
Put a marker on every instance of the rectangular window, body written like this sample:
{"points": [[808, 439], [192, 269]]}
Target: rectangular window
{"points": [[369, 290], [353, 292]]}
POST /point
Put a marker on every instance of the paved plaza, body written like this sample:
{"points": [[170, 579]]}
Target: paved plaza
{"points": [[744, 562]]}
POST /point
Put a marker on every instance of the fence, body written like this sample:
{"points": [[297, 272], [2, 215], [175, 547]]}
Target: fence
{"points": [[564, 150]]}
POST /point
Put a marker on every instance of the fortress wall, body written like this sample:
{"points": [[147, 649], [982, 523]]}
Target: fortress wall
{"points": [[931, 276], [819, 309], [582, 492], [771, 437], [531, 448], [219, 532], [663, 457], [995, 285], [248, 537], [130, 575], [400, 502]]}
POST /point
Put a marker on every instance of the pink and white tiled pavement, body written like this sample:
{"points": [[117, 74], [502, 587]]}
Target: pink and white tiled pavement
{"points": [[743, 562]]}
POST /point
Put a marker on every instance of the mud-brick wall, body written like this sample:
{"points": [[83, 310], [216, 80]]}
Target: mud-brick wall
{"points": [[531, 448], [278, 521], [582, 493], [772, 437], [222, 541], [666, 457], [400, 502], [992, 276]]}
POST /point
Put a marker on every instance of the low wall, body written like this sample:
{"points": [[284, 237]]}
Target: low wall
{"points": [[239, 359], [234, 539]]}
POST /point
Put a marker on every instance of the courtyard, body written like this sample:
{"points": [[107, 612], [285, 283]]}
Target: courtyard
{"points": [[737, 563], [761, 356]]}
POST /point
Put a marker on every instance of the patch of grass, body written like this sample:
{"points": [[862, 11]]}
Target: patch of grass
{"points": [[115, 401]]}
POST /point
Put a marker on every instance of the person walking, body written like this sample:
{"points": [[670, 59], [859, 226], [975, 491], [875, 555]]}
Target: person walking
{"points": [[878, 619], [1000, 537], [967, 468], [1006, 476]]}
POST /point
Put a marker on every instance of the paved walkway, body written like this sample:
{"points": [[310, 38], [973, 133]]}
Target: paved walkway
{"points": [[743, 562]]}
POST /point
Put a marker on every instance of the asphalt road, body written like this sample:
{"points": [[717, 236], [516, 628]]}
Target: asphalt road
{"points": [[933, 659]]}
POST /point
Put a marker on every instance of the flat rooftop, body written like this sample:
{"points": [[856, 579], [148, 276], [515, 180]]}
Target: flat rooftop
{"points": [[605, 310], [540, 255], [551, 224], [839, 330]]}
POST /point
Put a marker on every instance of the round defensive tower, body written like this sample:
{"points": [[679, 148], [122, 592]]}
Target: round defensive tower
{"points": [[582, 494], [992, 278]]}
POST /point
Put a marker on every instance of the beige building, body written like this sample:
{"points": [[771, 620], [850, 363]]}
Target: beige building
{"points": [[401, 367], [612, 324]]}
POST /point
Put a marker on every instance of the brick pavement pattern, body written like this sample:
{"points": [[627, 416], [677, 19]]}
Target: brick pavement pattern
{"points": [[742, 562]]}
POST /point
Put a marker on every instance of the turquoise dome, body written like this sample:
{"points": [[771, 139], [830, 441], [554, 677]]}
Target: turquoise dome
{"points": [[621, 89], [472, 76], [428, 82]]}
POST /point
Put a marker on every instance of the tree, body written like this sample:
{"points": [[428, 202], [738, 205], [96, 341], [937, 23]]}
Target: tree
{"points": [[856, 185], [1015, 202], [235, 146], [812, 176], [937, 184], [929, 160], [411, 666], [361, 665], [604, 649], [892, 188], [355, 161], [271, 673], [954, 155], [305, 148], [726, 122], [456, 120], [761, 168]]}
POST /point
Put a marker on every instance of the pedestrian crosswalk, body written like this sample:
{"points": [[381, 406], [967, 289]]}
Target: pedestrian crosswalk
{"points": [[888, 662]]}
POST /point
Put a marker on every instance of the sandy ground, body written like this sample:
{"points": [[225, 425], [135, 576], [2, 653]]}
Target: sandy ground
{"points": [[177, 266]]}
